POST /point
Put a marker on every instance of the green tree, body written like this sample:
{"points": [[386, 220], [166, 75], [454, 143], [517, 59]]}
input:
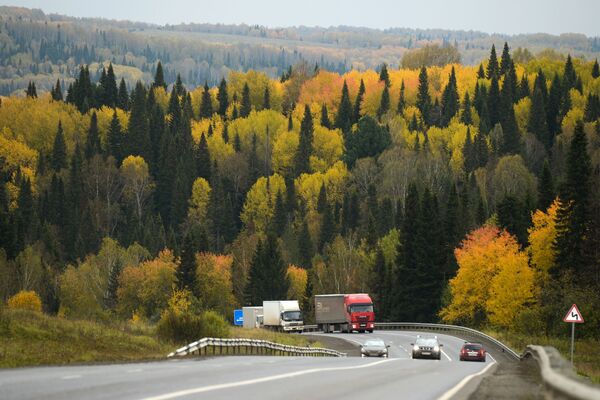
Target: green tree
{"points": [[245, 106], [358, 102], [384, 105], [325, 122], [466, 116], [369, 140], [305, 146], [138, 136], [267, 99], [384, 76], [423, 99], [206, 110], [222, 98], [401, 100], [92, 144], [114, 139], [343, 119], [123, 96], [56, 92], [546, 193], [595, 70], [186, 270], [159, 77], [450, 100], [203, 159], [493, 70], [59, 150], [505, 60], [305, 247], [537, 118]]}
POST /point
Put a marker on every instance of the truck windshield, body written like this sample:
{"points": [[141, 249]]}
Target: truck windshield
{"points": [[361, 308], [292, 316]]}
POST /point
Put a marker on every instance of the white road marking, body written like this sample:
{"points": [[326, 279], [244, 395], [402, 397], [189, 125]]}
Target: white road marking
{"points": [[181, 393], [490, 356], [444, 353], [131, 371], [448, 395], [71, 377]]}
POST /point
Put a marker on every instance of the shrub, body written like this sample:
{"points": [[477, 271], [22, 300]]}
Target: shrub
{"points": [[214, 325], [25, 300]]}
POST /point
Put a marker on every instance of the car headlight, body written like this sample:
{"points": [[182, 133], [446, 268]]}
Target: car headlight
{"points": [[436, 348], [416, 348]]}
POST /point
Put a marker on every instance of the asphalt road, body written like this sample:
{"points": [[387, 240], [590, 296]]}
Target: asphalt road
{"points": [[256, 377]]}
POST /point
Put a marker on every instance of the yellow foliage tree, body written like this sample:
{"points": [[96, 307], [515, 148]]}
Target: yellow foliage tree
{"points": [[541, 240], [298, 279], [213, 282], [260, 202], [199, 200], [25, 300]]}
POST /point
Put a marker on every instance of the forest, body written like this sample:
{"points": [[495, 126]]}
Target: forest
{"points": [[455, 193]]}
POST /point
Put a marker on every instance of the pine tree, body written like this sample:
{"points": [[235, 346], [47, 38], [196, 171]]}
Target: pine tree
{"points": [[553, 110], [493, 101], [302, 158], [327, 227], [546, 192], [268, 275], [138, 136], [325, 122], [279, 216], [344, 117], [401, 100], [466, 116], [505, 60], [159, 77], [480, 147], [92, 144], [451, 231], [203, 166], [110, 296], [109, 88], [493, 70], [267, 99], [384, 105], [206, 109], [225, 133], [450, 100], [322, 199], [123, 96], [537, 118], [31, 91], [592, 108], [524, 88], [305, 247], [157, 136], [595, 70], [569, 75], [469, 153], [222, 98], [508, 120], [246, 106], [413, 125], [423, 98], [384, 76], [114, 139], [358, 102], [178, 86], [59, 150], [56, 92], [480, 72], [573, 211], [186, 270]]}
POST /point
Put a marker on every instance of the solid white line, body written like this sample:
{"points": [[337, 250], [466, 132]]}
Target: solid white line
{"points": [[187, 392], [448, 395], [71, 377], [490, 356], [444, 353]]}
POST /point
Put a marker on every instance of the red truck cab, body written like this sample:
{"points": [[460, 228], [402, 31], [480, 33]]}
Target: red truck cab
{"points": [[359, 308]]}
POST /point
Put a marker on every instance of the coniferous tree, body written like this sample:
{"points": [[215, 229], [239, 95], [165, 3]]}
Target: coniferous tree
{"points": [[159, 77], [322, 199], [384, 76], [524, 88], [178, 86], [451, 231], [325, 122], [379, 283], [31, 91], [203, 165], [592, 108], [493, 101], [569, 75], [327, 227], [305, 247], [546, 192], [114, 139], [268, 276], [450, 100], [553, 110], [469, 153], [56, 92], [92, 144], [537, 123], [512, 216], [110, 296], [508, 120], [138, 135], [186, 270], [59, 150], [206, 110], [225, 133], [493, 70], [480, 72], [157, 137], [384, 104], [302, 158], [267, 99], [279, 215], [480, 148], [466, 117], [109, 88], [595, 70], [222, 98], [358, 102], [573, 212], [401, 100], [505, 60], [423, 99], [413, 125], [246, 106], [123, 96], [343, 119]]}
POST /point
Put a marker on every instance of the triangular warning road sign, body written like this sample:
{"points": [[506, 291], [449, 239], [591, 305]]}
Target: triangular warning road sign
{"points": [[574, 315]]}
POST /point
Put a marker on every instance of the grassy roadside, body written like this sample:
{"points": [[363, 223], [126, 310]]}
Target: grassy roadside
{"points": [[587, 351], [289, 339], [30, 338]]}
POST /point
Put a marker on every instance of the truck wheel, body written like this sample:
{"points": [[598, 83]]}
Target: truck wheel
{"points": [[370, 330], [361, 331]]}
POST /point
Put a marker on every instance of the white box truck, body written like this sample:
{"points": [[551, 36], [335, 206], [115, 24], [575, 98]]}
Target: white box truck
{"points": [[253, 317], [283, 315]]}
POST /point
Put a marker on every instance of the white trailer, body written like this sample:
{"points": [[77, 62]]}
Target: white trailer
{"points": [[283, 315], [253, 317]]}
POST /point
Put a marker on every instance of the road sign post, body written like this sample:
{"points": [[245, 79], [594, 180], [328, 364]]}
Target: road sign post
{"points": [[573, 317]]}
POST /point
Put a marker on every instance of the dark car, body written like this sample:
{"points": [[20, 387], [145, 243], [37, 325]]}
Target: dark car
{"points": [[427, 347], [374, 348], [472, 352]]}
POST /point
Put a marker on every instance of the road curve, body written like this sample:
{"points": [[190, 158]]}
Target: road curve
{"points": [[253, 377]]}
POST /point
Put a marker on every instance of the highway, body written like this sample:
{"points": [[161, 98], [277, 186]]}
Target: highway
{"points": [[254, 377]]}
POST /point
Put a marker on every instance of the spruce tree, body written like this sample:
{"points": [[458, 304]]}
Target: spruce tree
{"points": [[524, 88], [537, 118], [466, 116], [325, 122], [401, 100], [327, 227], [379, 283], [595, 70], [450, 100], [480, 72], [384, 76], [423, 98], [186, 270], [290, 126], [553, 110], [322, 199], [279, 222], [159, 77], [31, 91], [92, 144], [508, 120], [546, 192], [305, 247], [267, 99], [358, 102], [206, 110], [493, 70], [302, 158], [344, 117], [56, 92], [59, 150], [480, 147], [452, 231], [203, 166], [493, 101], [592, 108], [114, 139], [573, 212], [569, 75], [469, 153], [222, 98], [384, 104], [123, 96], [245, 106], [138, 135], [505, 60], [110, 296], [111, 93]]}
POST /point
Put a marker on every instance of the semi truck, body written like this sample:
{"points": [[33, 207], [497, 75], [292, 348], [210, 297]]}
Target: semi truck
{"points": [[283, 315], [344, 312], [253, 317]]}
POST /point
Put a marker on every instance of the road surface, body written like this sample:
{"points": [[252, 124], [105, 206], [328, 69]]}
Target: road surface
{"points": [[256, 377]]}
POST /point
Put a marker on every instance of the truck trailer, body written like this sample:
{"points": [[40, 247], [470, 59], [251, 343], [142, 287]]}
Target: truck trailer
{"points": [[283, 315], [253, 317], [344, 312]]}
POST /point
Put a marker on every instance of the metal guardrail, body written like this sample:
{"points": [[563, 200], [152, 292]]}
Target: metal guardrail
{"points": [[557, 375], [252, 346]]}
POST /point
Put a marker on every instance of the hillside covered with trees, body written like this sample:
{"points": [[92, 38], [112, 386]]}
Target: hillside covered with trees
{"points": [[468, 194]]}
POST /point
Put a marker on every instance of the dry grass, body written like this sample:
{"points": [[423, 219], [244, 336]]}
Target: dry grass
{"points": [[587, 351]]}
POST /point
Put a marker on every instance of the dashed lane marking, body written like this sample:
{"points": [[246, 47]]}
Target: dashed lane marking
{"points": [[67, 377]]}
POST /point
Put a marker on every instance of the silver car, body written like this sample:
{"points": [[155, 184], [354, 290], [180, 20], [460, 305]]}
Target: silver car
{"points": [[374, 348], [427, 347]]}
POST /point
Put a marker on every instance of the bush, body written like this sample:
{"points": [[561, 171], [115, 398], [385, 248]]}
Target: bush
{"points": [[25, 300], [214, 325]]}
